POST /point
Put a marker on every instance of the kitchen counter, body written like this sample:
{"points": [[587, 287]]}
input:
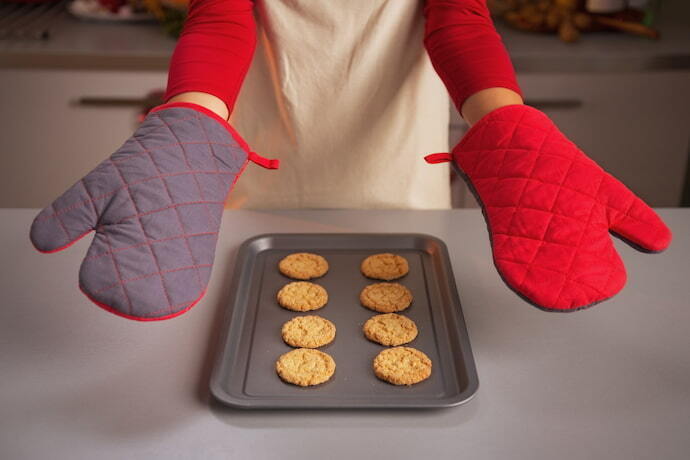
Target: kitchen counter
{"points": [[609, 382], [77, 44]]}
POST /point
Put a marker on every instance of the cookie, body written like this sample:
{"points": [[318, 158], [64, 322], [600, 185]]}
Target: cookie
{"points": [[305, 367], [303, 266], [402, 366], [386, 297], [390, 329], [302, 296], [308, 331], [385, 267]]}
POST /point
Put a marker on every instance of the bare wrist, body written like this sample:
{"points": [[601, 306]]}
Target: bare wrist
{"points": [[209, 101], [487, 100]]}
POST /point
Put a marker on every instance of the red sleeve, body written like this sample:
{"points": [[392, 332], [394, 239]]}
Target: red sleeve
{"points": [[215, 49], [465, 48]]}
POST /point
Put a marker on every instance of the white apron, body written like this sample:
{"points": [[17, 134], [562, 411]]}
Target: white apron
{"points": [[344, 94]]}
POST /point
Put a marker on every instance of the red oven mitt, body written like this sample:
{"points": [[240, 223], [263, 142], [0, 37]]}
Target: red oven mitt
{"points": [[549, 210]]}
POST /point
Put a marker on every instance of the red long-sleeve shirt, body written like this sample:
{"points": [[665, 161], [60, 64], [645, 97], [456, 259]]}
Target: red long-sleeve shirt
{"points": [[219, 37]]}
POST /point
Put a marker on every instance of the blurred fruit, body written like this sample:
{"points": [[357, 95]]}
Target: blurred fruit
{"points": [[181, 5], [112, 5], [567, 31], [566, 4], [170, 13], [582, 21]]}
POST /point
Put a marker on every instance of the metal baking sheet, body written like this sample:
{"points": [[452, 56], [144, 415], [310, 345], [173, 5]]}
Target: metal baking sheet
{"points": [[244, 374]]}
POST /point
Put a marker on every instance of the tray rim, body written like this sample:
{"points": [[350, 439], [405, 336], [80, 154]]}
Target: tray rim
{"points": [[219, 393]]}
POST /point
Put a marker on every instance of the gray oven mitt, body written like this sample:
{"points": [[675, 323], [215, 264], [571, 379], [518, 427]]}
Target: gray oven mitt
{"points": [[156, 206]]}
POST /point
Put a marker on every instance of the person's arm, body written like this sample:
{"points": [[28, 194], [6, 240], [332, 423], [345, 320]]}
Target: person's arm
{"points": [[213, 54], [469, 56], [211, 102], [548, 207], [156, 204], [487, 100]]}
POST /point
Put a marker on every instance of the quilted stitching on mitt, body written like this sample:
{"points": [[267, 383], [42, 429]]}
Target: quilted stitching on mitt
{"points": [[156, 206], [549, 210]]}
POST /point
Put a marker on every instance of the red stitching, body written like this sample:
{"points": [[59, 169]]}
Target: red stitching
{"points": [[608, 278], [148, 243], [558, 194], [578, 157], [143, 232], [193, 302], [160, 127], [524, 187], [62, 225], [237, 176], [177, 213], [162, 146], [211, 114], [597, 199], [503, 159], [109, 194], [70, 241], [189, 166], [586, 228], [119, 275], [577, 246], [172, 206], [148, 275], [586, 160], [512, 235], [573, 159], [61, 248], [633, 200], [597, 202], [516, 262], [213, 152], [88, 193], [493, 117], [546, 211], [530, 265], [121, 314]]}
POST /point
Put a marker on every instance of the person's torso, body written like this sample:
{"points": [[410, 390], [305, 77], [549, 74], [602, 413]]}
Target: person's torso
{"points": [[347, 99]]}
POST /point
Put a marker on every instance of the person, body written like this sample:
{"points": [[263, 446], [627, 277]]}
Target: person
{"points": [[350, 81], [348, 97]]}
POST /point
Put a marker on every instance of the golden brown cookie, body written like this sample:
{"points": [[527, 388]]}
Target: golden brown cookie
{"points": [[303, 266], [302, 296], [402, 366], [386, 297], [385, 266], [390, 329], [308, 331], [305, 367]]}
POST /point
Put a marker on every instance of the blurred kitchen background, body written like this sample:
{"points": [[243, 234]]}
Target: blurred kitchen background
{"points": [[77, 75]]}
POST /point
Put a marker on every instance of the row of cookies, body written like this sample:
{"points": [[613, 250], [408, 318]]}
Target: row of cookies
{"points": [[399, 365], [305, 366]]}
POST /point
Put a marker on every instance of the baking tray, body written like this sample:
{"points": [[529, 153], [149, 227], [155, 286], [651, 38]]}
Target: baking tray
{"points": [[244, 374]]}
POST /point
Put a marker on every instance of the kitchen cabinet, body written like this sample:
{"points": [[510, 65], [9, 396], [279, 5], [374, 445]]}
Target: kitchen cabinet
{"points": [[635, 125], [631, 112], [49, 140]]}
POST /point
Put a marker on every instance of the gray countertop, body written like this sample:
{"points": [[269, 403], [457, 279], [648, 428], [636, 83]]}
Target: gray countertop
{"points": [[100, 45], [609, 382]]}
